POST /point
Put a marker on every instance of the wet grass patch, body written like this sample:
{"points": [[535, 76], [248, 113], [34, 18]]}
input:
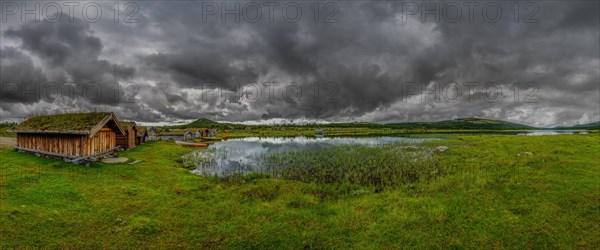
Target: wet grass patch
{"points": [[379, 166]]}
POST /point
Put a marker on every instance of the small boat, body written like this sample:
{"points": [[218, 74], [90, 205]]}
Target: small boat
{"points": [[192, 144]]}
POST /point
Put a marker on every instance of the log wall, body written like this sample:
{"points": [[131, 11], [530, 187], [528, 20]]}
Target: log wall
{"points": [[67, 144], [54, 143]]}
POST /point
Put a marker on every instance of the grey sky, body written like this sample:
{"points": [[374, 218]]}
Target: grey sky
{"points": [[354, 61]]}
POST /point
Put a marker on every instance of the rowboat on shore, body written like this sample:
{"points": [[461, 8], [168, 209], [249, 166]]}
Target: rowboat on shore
{"points": [[191, 144]]}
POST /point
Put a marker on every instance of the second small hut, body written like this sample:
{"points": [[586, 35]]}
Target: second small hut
{"points": [[128, 140]]}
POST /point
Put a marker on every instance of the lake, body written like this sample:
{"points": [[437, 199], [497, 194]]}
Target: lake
{"points": [[552, 132]]}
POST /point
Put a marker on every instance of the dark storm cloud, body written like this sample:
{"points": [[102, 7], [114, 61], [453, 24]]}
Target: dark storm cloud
{"points": [[16, 69], [189, 68], [69, 47], [58, 42], [347, 54], [361, 63]]}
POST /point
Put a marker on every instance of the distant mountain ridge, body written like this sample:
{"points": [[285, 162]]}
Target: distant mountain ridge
{"points": [[463, 123], [591, 125]]}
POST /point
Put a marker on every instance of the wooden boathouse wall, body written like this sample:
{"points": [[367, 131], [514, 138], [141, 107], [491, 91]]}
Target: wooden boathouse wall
{"points": [[102, 141], [54, 143], [131, 134]]}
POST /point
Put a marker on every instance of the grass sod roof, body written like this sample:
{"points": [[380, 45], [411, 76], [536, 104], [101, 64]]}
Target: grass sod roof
{"points": [[68, 123], [141, 131], [125, 124]]}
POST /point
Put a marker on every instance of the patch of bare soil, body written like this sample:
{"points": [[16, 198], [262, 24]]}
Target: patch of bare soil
{"points": [[114, 160]]}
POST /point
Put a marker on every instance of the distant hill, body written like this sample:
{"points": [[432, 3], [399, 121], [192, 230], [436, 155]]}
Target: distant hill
{"points": [[201, 123], [462, 123], [206, 123], [591, 125]]}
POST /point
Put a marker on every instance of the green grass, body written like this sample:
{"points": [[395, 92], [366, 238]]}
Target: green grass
{"points": [[5, 127], [487, 197]]}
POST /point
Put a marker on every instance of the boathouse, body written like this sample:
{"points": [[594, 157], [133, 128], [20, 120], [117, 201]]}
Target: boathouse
{"points": [[152, 134], [76, 135], [201, 132]]}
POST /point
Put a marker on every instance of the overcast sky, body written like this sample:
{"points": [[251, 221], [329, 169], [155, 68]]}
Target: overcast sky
{"points": [[536, 63]]}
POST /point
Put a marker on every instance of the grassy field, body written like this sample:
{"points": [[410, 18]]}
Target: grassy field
{"points": [[486, 195], [4, 128]]}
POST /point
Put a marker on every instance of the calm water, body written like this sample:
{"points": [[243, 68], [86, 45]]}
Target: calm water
{"points": [[243, 155], [552, 132]]}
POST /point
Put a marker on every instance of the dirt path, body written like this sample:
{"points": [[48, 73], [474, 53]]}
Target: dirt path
{"points": [[8, 141]]}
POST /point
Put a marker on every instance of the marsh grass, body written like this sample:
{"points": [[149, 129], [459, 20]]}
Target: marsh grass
{"points": [[379, 166]]}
